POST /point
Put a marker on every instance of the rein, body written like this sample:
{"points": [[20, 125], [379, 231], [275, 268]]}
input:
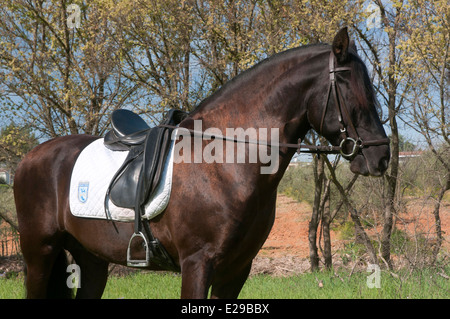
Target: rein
{"points": [[301, 148], [309, 148], [356, 144]]}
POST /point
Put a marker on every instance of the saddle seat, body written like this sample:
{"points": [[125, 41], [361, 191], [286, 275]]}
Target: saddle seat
{"points": [[128, 129]]}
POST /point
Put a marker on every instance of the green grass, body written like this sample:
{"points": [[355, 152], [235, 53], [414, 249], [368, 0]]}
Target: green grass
{"points": [[12, 288], [306, 286], [423, 284], [144, 286]]}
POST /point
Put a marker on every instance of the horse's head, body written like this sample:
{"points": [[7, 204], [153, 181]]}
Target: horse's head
{"points": [[345, 111]]}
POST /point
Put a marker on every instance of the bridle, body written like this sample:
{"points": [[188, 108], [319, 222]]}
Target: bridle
{"points": [[357, 142]]}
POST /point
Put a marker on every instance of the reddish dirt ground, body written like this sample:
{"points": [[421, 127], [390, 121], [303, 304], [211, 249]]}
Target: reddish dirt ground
{"points": [[289, 235], [286, 250]]}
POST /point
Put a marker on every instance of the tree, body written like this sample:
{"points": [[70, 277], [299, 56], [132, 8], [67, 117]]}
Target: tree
{"points": [[319, 174], [428, 61], [393, 84], [55, 78], [359, 229], [152, 55], [404, 145], [15, 142], [156, 39]]}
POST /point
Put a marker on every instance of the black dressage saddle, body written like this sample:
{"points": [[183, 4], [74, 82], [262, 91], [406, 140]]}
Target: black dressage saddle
{"points": [[148, 147], [137, 178]]}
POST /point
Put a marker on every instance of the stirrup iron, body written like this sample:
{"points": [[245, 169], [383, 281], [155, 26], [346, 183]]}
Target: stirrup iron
{"points": [[138, 262]]}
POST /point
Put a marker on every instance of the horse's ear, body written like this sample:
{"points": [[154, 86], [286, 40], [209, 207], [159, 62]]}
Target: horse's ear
{"points": [[340, 45]]}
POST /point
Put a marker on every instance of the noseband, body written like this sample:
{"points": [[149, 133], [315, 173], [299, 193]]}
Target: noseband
{"points": [[357, 143]]}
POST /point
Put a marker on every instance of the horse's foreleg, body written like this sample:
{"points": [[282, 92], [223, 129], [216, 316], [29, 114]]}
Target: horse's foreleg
{"points": [[230, 289], [93, 271], [196, 274]]}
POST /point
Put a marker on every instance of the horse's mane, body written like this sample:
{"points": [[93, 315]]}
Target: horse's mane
{"points": [[247, 74], [360, 83]]}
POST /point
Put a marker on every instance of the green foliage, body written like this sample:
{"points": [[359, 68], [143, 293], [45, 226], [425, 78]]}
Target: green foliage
{"points": [[346, 230], [417, 250], [423, 175], [399, 239], [15, 142], [298, 183], [351, 252], [403, 144]]}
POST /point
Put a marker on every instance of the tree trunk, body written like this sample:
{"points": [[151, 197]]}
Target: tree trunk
{"points": [[326, 220], [10, 221], [391, 177], [362, 235], [437, 218], [313, 224], [360, 232]]}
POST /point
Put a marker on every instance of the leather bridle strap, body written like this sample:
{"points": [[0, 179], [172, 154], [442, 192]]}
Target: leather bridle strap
{"points": [[357, 142], [333, 88]]}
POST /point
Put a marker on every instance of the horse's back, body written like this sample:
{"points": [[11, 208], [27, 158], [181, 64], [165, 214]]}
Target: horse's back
{"points": [[51, 150]]}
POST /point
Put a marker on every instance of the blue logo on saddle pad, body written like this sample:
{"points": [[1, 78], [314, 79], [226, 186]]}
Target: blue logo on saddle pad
{"points": [[83, 189]]}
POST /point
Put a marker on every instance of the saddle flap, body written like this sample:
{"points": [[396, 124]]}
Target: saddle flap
{"points": [[143, 163], [123, 191]]}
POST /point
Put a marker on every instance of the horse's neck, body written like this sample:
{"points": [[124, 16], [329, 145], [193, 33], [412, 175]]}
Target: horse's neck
{"points": [[273, 97]]}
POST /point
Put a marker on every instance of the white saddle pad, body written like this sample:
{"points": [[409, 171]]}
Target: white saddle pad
{"points": [[92, 174]]}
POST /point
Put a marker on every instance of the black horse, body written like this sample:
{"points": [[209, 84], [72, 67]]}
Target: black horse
{"points": [[219, 214]]}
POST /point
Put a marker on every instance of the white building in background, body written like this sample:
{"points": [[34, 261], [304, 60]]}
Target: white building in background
{"points": [[405, 156]]}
